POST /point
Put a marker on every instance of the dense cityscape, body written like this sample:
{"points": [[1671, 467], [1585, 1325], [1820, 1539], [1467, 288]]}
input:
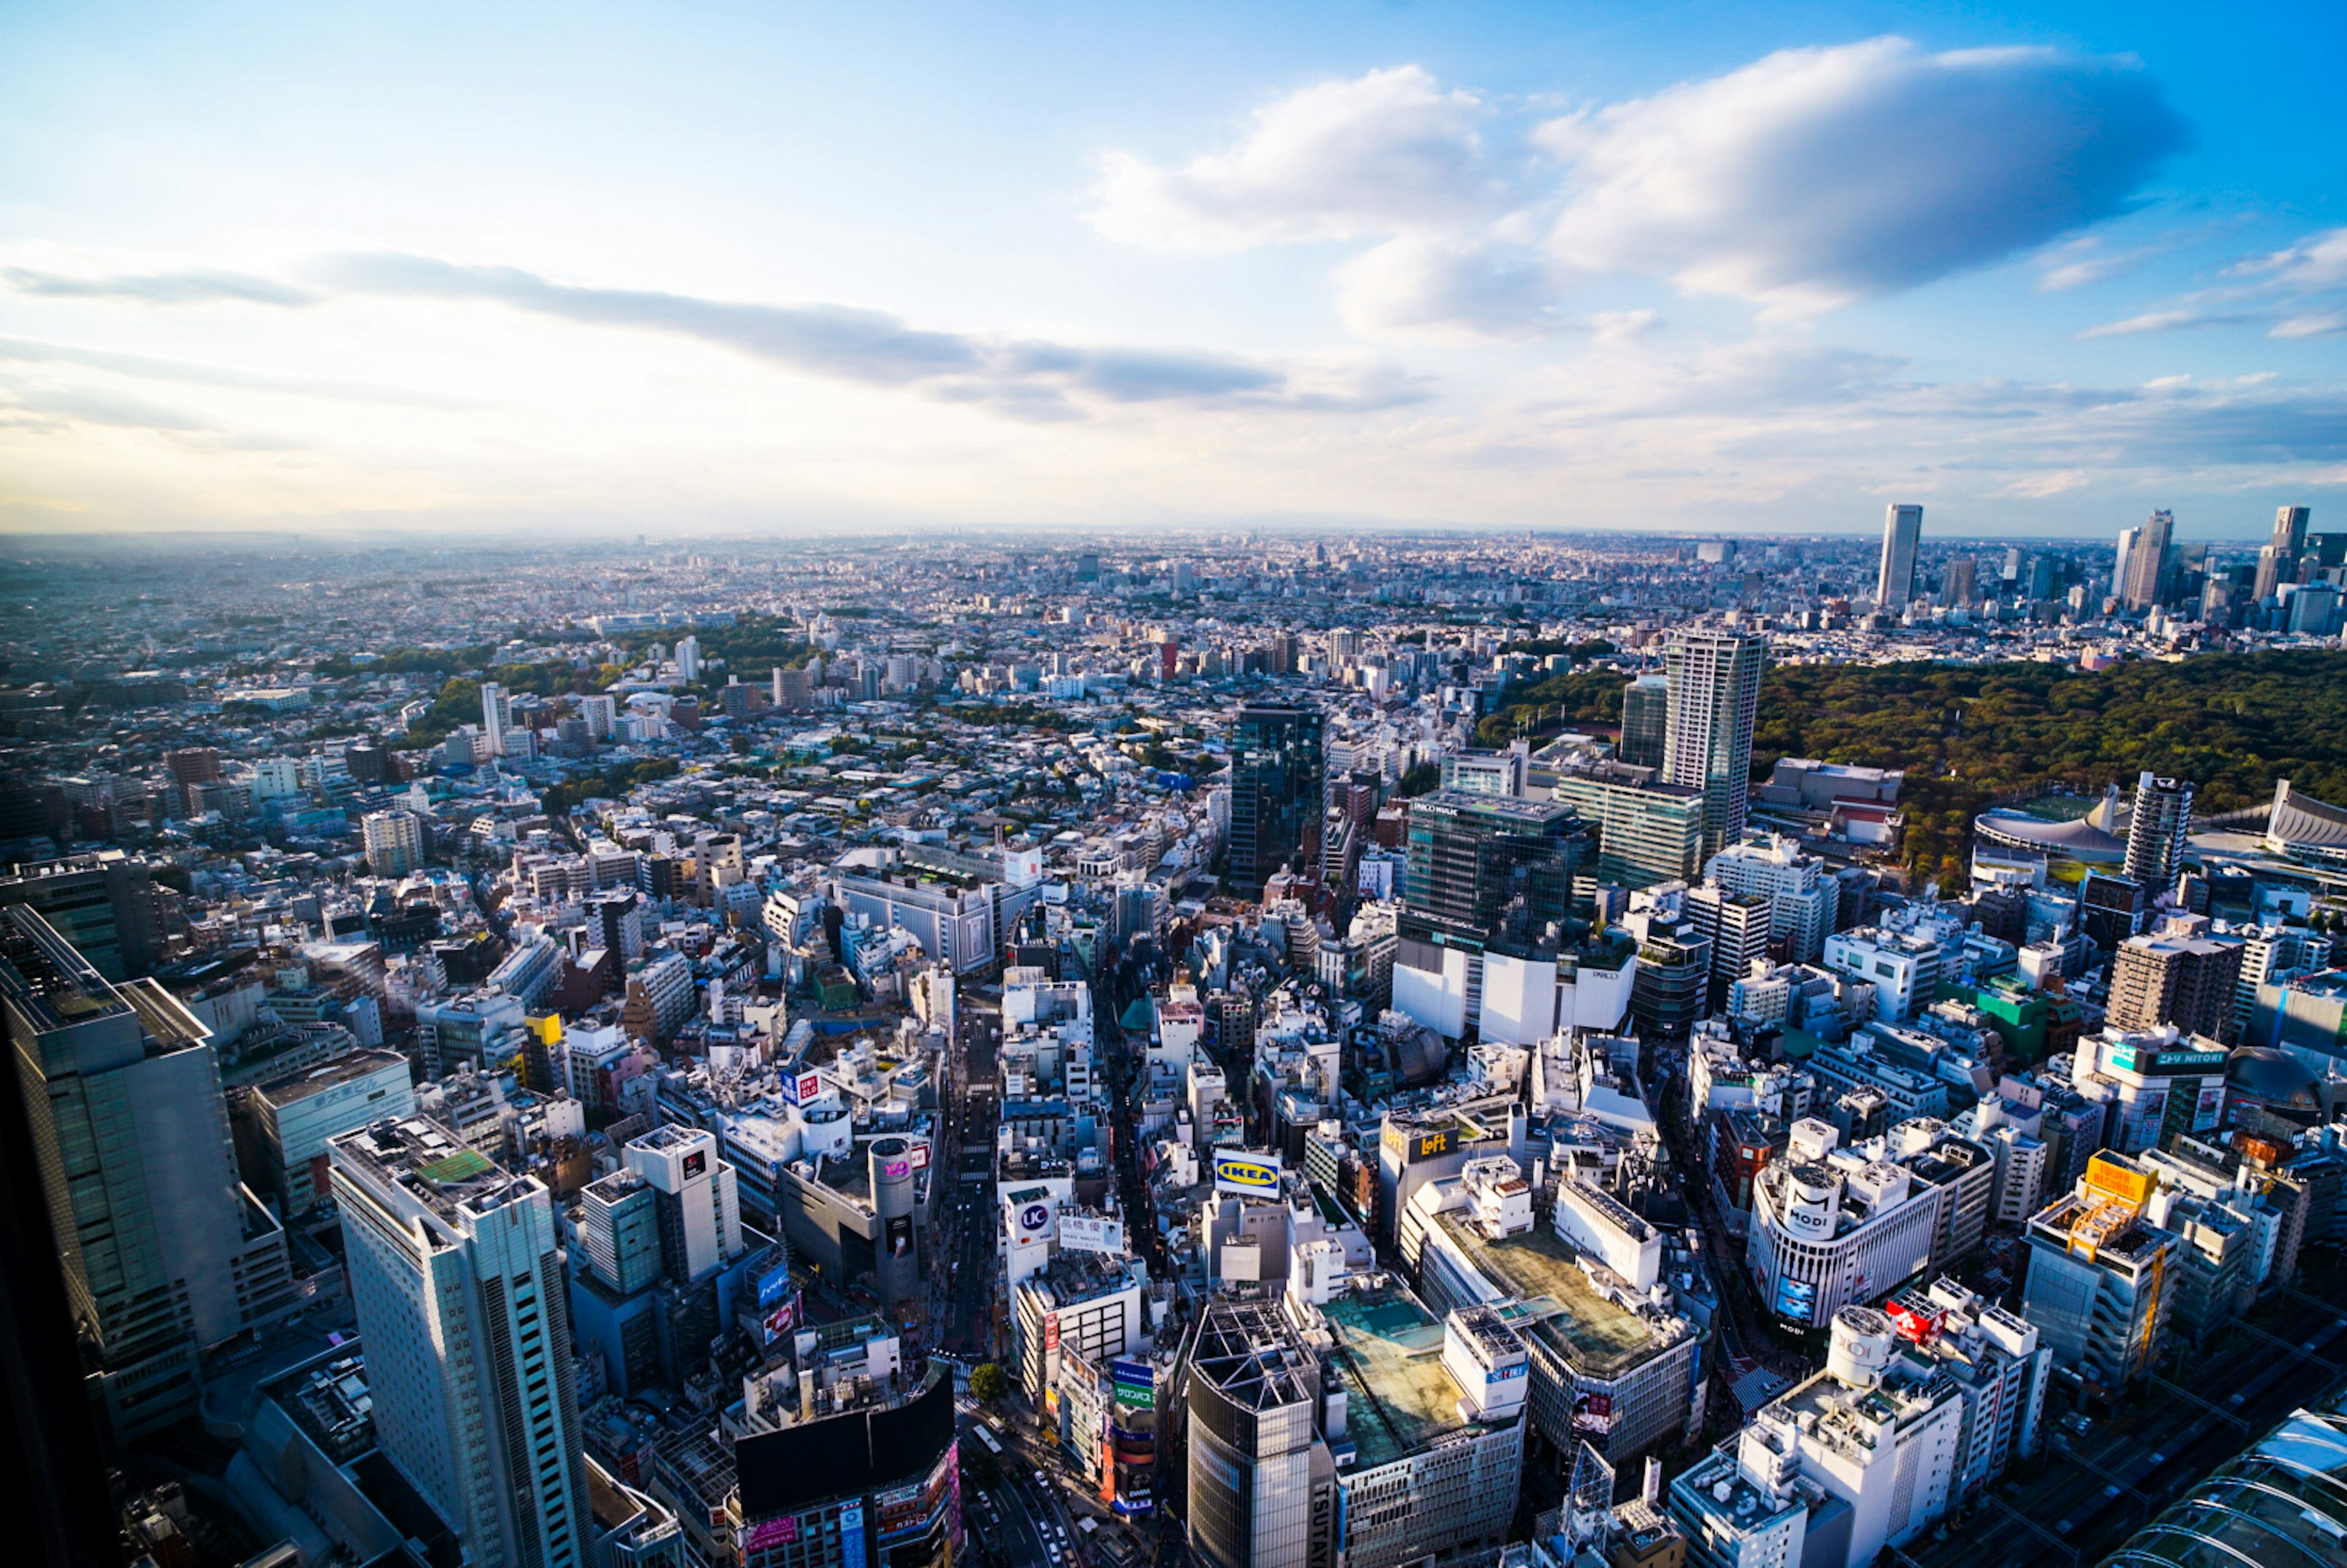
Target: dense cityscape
{"points": [[1246, 1048]]}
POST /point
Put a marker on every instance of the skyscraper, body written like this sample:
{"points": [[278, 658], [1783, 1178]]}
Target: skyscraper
{"points": [[2158, 833], [2289, 538], [1715, 701], [2146, 562], [164, 1252], [1262, 1483], [1492, 867], [103, 903], [1277, 766], [1962, 583], [1903, 531], [497, 714], [1646, 721], [459, 1287]]}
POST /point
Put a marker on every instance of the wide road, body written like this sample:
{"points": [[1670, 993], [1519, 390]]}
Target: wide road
{"points": [[2082, 1496]]}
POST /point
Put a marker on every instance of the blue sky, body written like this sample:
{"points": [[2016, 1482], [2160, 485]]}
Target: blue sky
{"points": [[711, 267]]}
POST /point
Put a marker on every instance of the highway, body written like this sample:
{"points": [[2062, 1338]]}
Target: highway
{"points": [[2084, 1495]]}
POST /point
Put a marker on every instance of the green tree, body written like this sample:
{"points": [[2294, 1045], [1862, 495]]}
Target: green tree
{"points": [[988, 1383]]}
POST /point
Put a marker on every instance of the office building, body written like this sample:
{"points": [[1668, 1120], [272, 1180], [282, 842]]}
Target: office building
{"points": [[1278, 766], [1861, 1456], [104, 902], [1491, 867], [2290, 540], [294, 1117], [848, 1457], [1079, 1306], [164, 1252], [1610, 1364], [1804, 899], [1715, 678], [2100, 1281], [1646, 721], [1903, 966], [394, 841], [1647, 831], [2179, 975], [1903, 532], [457, 1280], [1960, 590], [688, 659], [2157, 834], [1262, 1483], [2150, 552], [1736, 925]]}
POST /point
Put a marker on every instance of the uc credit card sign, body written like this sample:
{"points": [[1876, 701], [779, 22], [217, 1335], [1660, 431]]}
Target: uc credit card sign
{"points": [[1248, 1171]]}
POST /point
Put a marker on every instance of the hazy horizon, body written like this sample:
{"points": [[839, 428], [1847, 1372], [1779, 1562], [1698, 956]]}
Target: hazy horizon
{"points": [[1585, 268]]}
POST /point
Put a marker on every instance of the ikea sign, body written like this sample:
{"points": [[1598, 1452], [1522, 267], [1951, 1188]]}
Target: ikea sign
{"points": [[1247, 1173]]}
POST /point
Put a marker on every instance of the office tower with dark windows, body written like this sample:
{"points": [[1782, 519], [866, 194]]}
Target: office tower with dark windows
{"points": [[1903, 532], [164, 1252], [1277, 762], [1646, 721], [1494, 868], [105, 904], [1715, 678], [2289, 538], [457, 1279], [1960, 587], [2158, 833]]}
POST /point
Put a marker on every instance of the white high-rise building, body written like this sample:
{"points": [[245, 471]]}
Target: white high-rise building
{"points": [[1902, 533], [2146, 565], [701, 1220], [1804, 899], [497, 717], [602, 716], [1715, 701], [688, 659], [394, 841], [459, 1287]]}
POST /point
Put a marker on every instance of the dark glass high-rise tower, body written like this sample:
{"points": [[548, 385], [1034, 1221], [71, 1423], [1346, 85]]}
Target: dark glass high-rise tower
{"points": [[1278, 764], [1646, 721], [1491, 867]]}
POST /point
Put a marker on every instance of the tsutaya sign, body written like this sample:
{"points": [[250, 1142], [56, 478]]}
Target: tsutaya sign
{"points": [[1247, 1171]]}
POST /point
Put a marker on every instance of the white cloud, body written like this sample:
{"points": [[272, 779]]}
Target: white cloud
{"points": [[1382, 154], [1816, 177], [2316, 263], [1805, 180]]}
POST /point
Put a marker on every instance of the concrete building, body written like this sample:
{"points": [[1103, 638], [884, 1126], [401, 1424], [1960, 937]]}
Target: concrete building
{"points": [[2157, 833], [165, 1252], [454, 1272], [1804, 899], [1715, 696], [2101, 1284], [296, 1116], [103, 902], [2180, 975], [1902, 533], [1262, 1482]]}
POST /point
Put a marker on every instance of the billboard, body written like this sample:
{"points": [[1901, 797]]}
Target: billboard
{"points": [[1594, 1414], [921, 1156], [801, 1088], [1253, 1172], [774, 1286], [1136, 1384], [1410, 1147], [781, 1319], [851, 1535], [1797, 1300], [1915, 1324], [1034, 1219], [902, 1513], [1090, 1233], [900, 1234], [1050, 1332], [2211, 1108]]}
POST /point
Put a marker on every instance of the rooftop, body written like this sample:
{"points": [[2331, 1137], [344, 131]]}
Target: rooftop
{"points": [[1388, 1350], [1558, 1303], [289, 1087]]}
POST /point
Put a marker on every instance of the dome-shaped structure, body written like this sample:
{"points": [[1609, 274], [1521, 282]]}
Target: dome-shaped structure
{"points": [[2274, 1080], [2273, 1083]]}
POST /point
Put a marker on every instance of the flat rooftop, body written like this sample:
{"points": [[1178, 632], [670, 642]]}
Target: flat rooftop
{"points": [[289, 1087], [1559, 1305], [1398, 1399]]}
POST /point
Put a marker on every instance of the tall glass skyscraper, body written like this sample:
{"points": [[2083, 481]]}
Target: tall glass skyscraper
{"points": [[1277, 765], [1903, 532], [1646, 721], [1715, 680], [1492, 867]]}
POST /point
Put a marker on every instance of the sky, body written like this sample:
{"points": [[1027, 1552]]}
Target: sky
{"points": [[704, 268]]}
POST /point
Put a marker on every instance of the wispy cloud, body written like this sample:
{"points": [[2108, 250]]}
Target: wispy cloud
{"points": [[2297, 292], [195, 286], [1022, 378], [27, 351]]}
